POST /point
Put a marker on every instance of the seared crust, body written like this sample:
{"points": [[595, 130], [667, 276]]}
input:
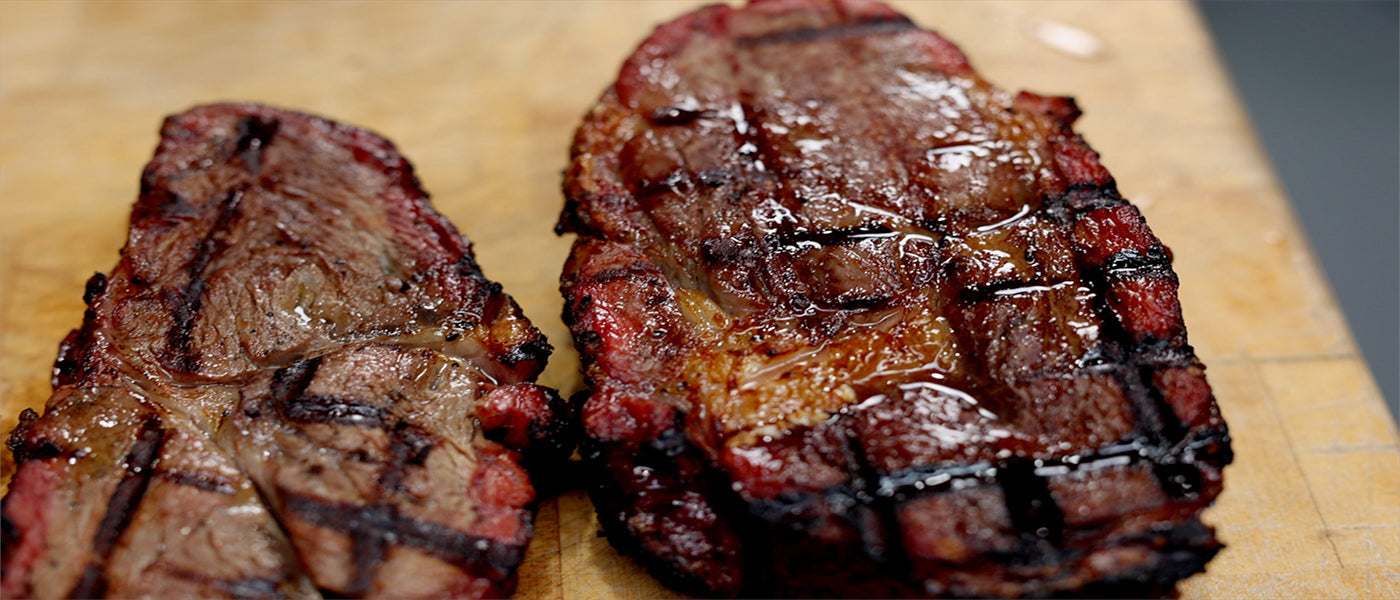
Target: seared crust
{"points": [[856, 322], [296, 381]]}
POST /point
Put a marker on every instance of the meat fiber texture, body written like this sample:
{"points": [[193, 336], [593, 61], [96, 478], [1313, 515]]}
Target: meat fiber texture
{"points": [[857, 323], [296, 381]]}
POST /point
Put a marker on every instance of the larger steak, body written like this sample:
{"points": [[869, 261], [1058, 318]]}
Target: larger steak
{"points": [[856, 322], [295, 381]]}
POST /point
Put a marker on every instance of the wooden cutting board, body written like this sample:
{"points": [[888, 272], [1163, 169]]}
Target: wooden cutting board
{"points": [[483, 98]]}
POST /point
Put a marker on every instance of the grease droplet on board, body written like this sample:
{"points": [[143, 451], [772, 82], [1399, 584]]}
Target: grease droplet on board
{"points": [[1066, 38]]}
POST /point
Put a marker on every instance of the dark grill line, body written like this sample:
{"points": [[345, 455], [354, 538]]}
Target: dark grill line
{"points": [[291, 381], [316, 408], [868, 27], [867, 482], [243, 587], [368, 547], [179, 351], [254, 136], [203, 481], [1154, 418], [915, 481], [449, 545], [409, 446], [1131, 264], [121, 506], [797, 240], [1033, 511]]}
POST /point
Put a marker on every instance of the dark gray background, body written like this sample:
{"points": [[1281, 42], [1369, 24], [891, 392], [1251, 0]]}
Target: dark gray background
{"points": [[1321, 81]]}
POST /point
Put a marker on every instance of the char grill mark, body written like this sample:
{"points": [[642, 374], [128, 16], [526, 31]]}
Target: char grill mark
{"points": [[332, 411], [876, 26], [371, 527], [1033, 511], [290, 382], [242, 587], [913, 339], [140, 466], [179, 353], [203, 481], [254, 136], [278, 390]]}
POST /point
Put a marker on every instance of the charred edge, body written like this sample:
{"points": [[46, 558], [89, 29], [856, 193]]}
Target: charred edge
{"points": [[675, 115], [537, 349], [796, 241], [460, 549], [254, 136], [179, 352], [1184, 549], [1179, 472], [557, 432], [1080, 198], [9, 533], [868, 27], [466, 267], [1179, 480], [94, 288], [1033, 511], [552, 440], [614, 506], [21, 449], [203, 481], [881, 561], [68, 365], [1211, 446], [1131, 264], [121, 506], [1164, 354], [291, 381], [330, 410]]}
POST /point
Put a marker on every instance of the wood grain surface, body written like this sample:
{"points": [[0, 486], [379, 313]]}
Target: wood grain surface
{"points": [[483, 98]]}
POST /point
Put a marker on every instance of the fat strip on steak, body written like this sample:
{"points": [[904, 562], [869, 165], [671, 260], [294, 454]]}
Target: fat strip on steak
{"points": [[296, 381], [857, 323]]}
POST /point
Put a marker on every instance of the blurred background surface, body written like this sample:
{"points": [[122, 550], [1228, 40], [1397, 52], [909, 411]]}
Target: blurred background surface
{"points": [[1321, 81]]}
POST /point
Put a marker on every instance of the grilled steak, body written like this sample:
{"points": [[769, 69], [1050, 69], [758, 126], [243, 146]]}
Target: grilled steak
{"points": [[296, 381], [856, 322]]}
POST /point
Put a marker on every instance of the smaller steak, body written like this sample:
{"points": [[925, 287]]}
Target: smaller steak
{"points": [[296, 381], [858, 323]]}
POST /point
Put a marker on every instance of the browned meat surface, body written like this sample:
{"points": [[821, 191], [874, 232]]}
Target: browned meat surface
{"points": [[856, 322], [296, 381]]}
